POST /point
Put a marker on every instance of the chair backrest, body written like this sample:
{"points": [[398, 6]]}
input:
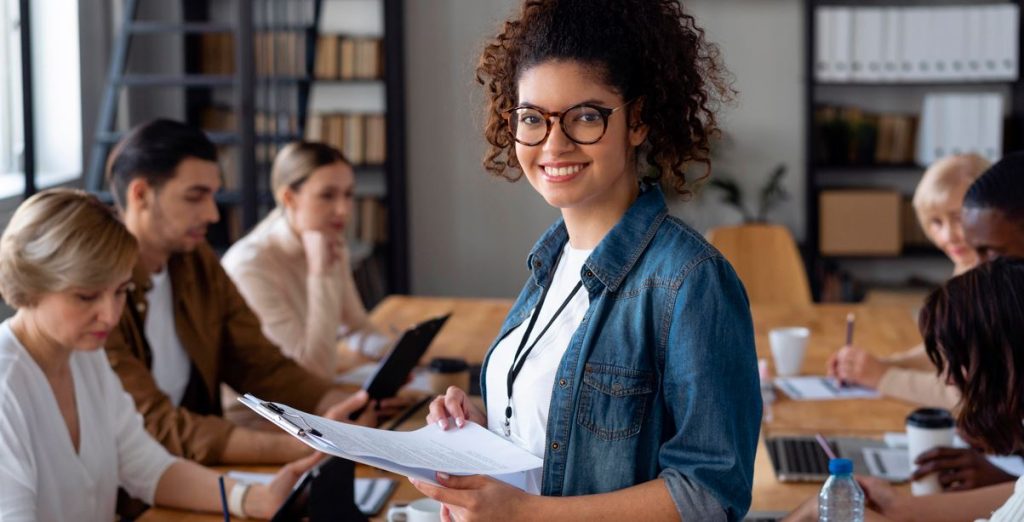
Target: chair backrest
{"points": [[767, 261]]}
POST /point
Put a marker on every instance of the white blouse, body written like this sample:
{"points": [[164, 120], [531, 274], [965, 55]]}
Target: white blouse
{"points": [[42, 477], [531, 394], [1013, 509]]}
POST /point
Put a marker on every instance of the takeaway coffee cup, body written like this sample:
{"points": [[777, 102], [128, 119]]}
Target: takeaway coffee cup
{"points": [[788, 348], [928, 428], [422, 510], [445, 372]]}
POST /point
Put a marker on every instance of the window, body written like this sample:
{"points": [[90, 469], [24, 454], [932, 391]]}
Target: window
{"points": [[11, 129]]}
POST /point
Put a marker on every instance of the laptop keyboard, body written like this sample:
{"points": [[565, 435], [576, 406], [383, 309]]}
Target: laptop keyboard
{"points": [[798, 458]]}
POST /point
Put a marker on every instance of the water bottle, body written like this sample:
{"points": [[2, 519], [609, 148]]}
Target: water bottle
{"points": [[841, 499]]}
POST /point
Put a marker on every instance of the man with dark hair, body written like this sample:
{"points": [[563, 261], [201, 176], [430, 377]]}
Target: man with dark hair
{"points": [[993, 212], [186, 329]]}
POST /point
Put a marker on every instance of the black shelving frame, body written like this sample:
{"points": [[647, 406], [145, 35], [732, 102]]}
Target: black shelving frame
{"points": [[1013, 136]]}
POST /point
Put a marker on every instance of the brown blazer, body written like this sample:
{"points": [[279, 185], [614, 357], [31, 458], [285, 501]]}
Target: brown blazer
{"points": [[223, 340]]}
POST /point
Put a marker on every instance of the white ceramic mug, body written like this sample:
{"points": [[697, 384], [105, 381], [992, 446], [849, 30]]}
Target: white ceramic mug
{"points": [[928, 428], [788, 347], [422, 510]]}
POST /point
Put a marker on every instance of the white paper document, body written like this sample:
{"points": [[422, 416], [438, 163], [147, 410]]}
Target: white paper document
{"points": [[471, 450], [817, 388], [892, 464]]}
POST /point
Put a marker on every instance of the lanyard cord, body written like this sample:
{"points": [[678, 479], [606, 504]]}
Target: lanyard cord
{"points": [[517, 361]]}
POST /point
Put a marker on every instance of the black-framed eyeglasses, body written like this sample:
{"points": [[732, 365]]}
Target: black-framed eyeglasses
{"points": [[584, 124]]}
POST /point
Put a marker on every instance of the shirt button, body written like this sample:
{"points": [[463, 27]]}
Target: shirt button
{"points": [[563, 383], [590, 274], [536, 264], [555, 446]]}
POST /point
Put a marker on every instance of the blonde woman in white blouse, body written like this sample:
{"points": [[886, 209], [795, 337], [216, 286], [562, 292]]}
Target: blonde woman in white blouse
{"points": [[293, 268], [69, 434]]}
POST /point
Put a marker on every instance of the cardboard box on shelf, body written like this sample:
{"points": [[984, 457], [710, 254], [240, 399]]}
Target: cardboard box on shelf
{"points": [[860, 223]]}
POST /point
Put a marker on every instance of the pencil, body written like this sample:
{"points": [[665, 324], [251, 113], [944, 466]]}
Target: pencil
{"points": [[849, 328], [824, 445]]}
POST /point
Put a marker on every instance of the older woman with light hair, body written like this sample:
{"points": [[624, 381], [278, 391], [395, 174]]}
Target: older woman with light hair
{"points": [[910, 376], [293, 268], [69, 434]]}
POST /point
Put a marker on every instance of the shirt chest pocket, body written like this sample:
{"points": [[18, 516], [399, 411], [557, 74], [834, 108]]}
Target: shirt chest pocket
{"points": [[614, 400]]}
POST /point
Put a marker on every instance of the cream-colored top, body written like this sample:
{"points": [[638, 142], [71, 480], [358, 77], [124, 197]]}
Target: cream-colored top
{"points": [[302, 313], [912, 377], [42, 475]]}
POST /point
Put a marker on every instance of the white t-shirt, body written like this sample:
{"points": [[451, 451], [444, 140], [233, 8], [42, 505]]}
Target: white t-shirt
{"points": [[171, 365], [531, 393], [42, 477]]}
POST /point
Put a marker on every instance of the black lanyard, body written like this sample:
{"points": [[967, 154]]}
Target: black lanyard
{"points": [[517, 361]]}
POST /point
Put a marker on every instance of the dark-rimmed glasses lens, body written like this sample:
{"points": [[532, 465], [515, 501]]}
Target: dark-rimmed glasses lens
{"points": [[584, 124]]}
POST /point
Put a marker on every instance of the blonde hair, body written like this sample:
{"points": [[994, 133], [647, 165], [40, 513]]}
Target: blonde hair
{"points": [[297, 161], [59, 239], [945, 179]]}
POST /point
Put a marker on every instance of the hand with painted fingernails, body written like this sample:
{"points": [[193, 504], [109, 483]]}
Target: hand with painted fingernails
{"points": [[454, 407]]}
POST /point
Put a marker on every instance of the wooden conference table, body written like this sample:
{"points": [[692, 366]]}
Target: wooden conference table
{"points": [[882, 329]]}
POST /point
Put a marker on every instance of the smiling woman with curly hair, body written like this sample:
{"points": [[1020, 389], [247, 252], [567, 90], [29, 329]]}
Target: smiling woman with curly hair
{"points": [[628, 362]]}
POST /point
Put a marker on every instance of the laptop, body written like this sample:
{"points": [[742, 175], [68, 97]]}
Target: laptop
{"points": [[801, 459]]}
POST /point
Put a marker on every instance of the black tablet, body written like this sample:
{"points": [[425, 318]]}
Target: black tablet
{"points": [[324, 493], [396, 366]]}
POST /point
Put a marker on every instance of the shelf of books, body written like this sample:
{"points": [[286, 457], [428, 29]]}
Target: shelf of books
{"points": [[892, 87], [348, 108]]}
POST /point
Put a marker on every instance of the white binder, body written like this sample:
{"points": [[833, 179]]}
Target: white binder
{"points": [[866, 64], [974, 42], [992, 126], [892, 44], [823, 52], [916, 40], [842, 25], [1008, 20]]}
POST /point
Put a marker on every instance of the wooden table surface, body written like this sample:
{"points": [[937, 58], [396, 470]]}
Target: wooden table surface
{"points": [[881, 329]]}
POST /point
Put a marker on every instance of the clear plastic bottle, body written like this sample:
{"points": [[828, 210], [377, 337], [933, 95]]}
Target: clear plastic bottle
{"points": [[841, 499]]}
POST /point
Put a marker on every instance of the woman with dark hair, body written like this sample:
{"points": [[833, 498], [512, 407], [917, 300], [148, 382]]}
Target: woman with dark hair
{"points": [[973, 329], [627, 362]]}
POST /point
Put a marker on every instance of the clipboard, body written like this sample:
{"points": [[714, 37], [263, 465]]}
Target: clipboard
{"points": [[403, 357]]}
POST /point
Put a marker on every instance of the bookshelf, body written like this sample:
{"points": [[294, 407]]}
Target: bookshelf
{"points": [[880, 113], [324, 70], [357, 104]]}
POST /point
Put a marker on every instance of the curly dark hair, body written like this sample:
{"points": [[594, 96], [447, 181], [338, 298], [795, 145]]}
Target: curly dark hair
{"points": [[647, 49], [973, 329]]}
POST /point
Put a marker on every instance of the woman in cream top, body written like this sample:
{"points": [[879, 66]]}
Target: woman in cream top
{"points": [[909, 375], [293, 268], [69, 433]]}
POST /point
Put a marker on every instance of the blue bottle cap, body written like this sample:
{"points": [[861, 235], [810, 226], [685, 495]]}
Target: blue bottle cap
{"points": [[840, 466]]}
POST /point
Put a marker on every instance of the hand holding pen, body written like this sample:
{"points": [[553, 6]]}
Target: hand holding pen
{"points": [[853, 365], [850, 319]]}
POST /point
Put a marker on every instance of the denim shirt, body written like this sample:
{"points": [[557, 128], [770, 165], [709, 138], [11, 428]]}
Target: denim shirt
{"points": [[660, 378]]}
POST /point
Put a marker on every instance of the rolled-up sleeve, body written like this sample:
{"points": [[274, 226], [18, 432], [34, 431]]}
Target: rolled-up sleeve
{"points": [[712, 393]]}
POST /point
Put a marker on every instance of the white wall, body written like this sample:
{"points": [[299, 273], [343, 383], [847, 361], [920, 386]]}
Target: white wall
{"points": [[761, 42], [470, 233]]}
